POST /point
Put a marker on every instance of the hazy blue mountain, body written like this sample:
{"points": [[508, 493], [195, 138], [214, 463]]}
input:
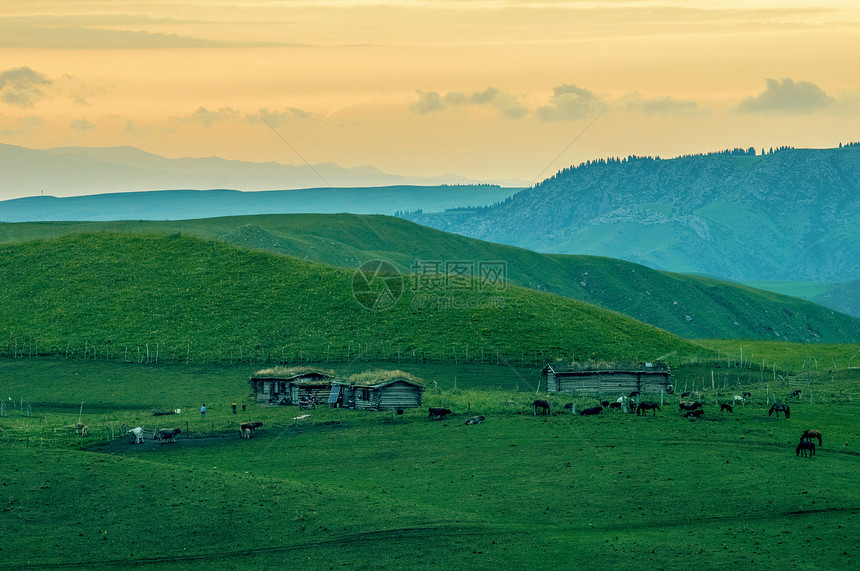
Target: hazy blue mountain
{"points": [[844, 298], [183, 204], [790, 214], [84, 171]]}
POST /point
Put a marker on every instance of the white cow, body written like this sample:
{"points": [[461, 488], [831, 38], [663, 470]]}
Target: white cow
{"points": [[138, 434], [737, 398]]}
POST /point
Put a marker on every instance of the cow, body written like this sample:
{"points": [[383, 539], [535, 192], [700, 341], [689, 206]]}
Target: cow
{"points": [[166, 434], [615, 405], [138, 434], [475, 420], [797, 394], [694, 413], [568, 406], [808, 435], [246, 429], [682, 406], [437, 413], [685, 394], [540, 404], [805, 448], [747, 394], [737, 398], [604, 403], [728, 407], [592, 410], [646, 406]]}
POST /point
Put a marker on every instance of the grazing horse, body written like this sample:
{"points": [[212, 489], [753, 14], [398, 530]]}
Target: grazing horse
{"points": [[138, 434], [728, 407], [778, 408], [646, 406], [694, 413], [438, 413], [810, 434], [805, 447], [475, 419], [592, 410], [540, 404], [682, 406]]}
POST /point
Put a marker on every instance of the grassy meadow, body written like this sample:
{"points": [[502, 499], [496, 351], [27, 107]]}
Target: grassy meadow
{"points": [[369, 490]]}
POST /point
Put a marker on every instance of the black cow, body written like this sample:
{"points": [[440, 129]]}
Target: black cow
{"points": [[682, 406], [592, 410], [797, 394], [747, 394], [728, 407], [615, 405], [168, 434], [694, 413], [646, 406], [568, 406], [246, 429], [438, 413]]}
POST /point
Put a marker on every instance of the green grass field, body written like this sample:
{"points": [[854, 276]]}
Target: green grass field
{"points": [[365, 490]]}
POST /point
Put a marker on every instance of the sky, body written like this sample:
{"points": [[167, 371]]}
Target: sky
{"points": [[494, 90]]}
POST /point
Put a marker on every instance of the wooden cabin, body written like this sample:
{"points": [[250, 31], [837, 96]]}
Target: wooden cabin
{"points": [[648, 378], [378, 390], [286, 385]]}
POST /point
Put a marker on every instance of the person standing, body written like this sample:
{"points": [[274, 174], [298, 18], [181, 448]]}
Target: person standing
{"points": [[203, 411]]}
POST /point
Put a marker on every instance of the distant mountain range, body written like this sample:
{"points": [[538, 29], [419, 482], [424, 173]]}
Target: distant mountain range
{"points": [[74, 171], [789, 214]]}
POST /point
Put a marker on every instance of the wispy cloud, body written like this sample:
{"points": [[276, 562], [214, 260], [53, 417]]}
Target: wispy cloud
{"points": [[208, 118], [506, 104], [22, 87], [570, 103], [635, 103], [82, 125], [278, 118], [787, 96]]}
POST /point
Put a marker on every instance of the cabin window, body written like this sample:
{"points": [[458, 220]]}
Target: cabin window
{"points": [[365, 394]]}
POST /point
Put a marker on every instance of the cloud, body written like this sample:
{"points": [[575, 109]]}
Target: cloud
{"points": [[787, 96], [509, 106], [82, 125], [635, 103], [278, 118], [208, 118], [570, 103], [22, 87]]}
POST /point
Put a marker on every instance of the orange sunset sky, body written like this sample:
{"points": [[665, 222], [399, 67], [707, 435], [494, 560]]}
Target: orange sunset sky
{"points": [[494, 90]]}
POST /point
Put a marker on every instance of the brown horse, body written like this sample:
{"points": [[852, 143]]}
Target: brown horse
{"points": [[778, 408], [728, 407], [540, 404], [808, 435], [646, 406], [805, 448]]}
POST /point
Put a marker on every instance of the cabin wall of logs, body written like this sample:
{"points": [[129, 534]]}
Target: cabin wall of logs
{"points": [[607, 381]]}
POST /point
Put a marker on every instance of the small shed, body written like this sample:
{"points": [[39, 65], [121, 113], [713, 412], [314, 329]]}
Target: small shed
{"points": [[382, 390], [645, 378], [286, 385]]}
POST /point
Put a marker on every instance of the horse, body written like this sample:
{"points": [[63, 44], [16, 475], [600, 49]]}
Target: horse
{"points": [[779, 407], [808, 435], [728, 407], [138, 434], [737, 398], [540, 404], [682, 406], [568, 406], [694, 413], [646, 406], [805, 447], [592, 410], [246, 429]]}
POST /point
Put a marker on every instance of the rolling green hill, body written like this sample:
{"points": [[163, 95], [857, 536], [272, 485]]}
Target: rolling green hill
{"points": [[691, 307], [170, 297]]}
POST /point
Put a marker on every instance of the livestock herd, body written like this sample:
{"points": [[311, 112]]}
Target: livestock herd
{"points": [[692, 409]]}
